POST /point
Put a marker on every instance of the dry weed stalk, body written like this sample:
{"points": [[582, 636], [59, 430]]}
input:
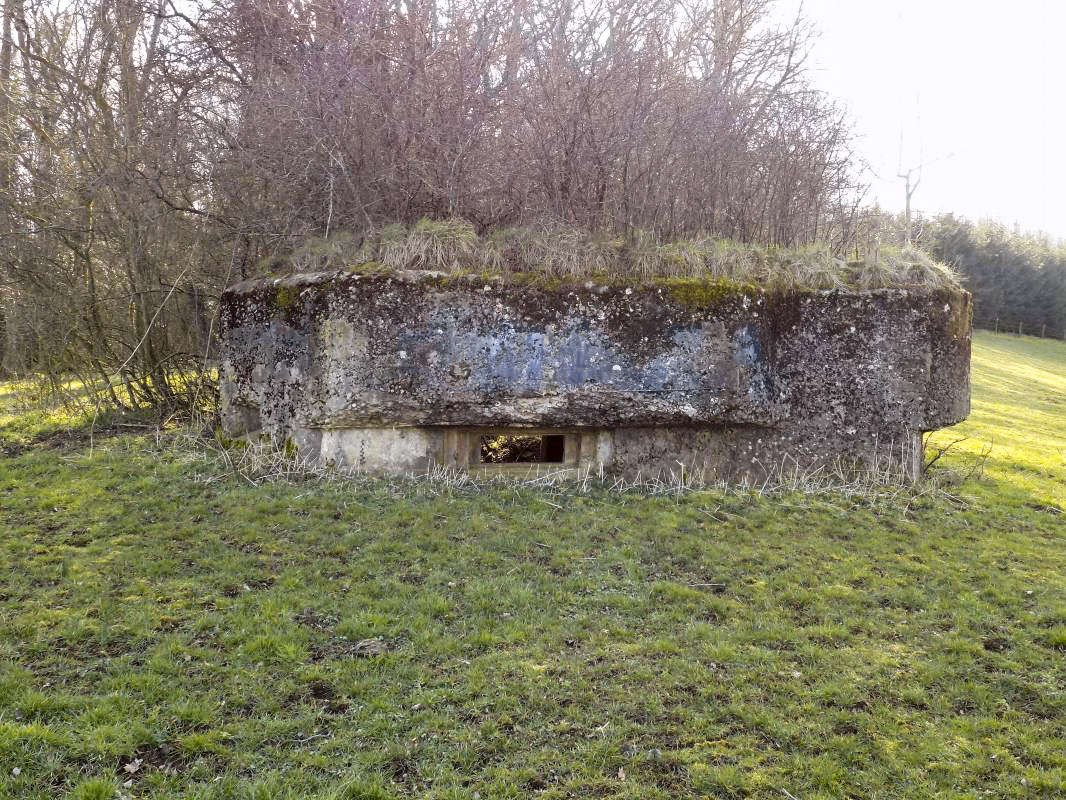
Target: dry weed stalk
{"points": [[885, 477]]}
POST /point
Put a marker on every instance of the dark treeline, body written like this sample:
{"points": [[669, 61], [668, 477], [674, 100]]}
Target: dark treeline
{"points": [[1018, 279], [153, 152]]}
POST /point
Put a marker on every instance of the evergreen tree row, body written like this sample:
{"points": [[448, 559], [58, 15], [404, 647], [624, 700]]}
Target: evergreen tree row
{"points": [[1018, 279]]}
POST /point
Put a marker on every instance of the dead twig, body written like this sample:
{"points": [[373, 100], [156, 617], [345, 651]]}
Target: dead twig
{"points": [[942, 451]]}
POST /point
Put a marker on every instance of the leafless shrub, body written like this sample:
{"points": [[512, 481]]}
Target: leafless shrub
{"points": [[652, 115], [153, 153]]}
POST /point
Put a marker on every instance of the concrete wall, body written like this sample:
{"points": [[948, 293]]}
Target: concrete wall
{"points": [[397, 372]]}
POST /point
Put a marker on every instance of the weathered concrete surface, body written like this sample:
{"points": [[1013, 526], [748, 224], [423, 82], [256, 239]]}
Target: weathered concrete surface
{"points": [[396, 372]]}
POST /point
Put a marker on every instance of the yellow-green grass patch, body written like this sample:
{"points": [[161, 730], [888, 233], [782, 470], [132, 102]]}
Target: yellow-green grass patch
{"points": [[166, 624]]}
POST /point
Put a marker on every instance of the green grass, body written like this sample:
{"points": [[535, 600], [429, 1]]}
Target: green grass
{"points": [[1019, 412], [159, 613]]}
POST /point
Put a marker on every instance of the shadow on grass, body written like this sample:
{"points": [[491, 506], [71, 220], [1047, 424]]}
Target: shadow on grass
{"points": [[59, 429]]}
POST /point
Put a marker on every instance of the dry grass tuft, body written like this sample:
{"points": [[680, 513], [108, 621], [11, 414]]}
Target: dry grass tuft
{"points": [[453, 245], [885, 266], [884, 476]]}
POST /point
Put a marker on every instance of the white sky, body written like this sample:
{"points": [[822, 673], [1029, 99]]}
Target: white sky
{"points": [[978, 88]]}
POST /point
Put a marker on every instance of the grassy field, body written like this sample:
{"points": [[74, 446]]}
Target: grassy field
{"points": [[171, 630]]}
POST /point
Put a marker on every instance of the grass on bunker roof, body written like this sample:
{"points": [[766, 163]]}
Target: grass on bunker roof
{"points": [[168, 626], [539, 254]]}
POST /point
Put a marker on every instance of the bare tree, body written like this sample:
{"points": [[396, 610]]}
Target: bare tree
{"points": [[153, 151]]}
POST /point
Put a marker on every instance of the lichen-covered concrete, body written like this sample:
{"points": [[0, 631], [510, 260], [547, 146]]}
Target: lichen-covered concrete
{"points": [[396, 372]]}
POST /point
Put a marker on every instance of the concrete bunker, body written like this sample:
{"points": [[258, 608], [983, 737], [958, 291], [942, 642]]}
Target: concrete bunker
{"points": [[399, 372]]}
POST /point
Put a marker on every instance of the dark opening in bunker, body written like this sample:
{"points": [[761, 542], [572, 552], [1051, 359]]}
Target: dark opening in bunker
{"points": [[528, 449]]}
